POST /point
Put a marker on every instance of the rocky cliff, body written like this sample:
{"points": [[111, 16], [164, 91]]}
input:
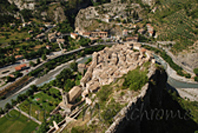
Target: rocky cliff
{"points": [[155, 110], [24, 4], [106, 17]]}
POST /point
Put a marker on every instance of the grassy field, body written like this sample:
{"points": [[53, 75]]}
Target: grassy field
{"points": [[21, 125], [41, 102], [13, 36]]}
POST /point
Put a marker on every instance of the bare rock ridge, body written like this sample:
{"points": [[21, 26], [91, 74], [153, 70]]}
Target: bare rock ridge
{"points": [[152, 110], [127, 116], [24, 4]]}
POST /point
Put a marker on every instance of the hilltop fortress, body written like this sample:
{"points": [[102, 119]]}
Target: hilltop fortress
{"points": [[110, 64]]}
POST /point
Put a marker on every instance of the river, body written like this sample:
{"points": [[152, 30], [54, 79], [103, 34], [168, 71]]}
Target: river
{"points": [[42, 80], [174, 82]]}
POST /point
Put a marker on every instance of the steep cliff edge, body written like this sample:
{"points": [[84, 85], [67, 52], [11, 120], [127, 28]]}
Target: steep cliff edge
{"points": [[155, 111]]}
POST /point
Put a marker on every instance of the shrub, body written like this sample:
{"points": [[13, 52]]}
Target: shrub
{"points": [[135, 79], [196, 71], [196, 78]]}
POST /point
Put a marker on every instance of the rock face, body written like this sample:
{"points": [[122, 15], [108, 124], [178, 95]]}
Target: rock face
{"points": [[112, 63], [128, 119], [189, 58], [24, 4], [104, 17], [149, 2]]}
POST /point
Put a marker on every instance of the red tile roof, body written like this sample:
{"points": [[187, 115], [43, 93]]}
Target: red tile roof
{"points": [[23, 65], [74, 34], [18, 68]]}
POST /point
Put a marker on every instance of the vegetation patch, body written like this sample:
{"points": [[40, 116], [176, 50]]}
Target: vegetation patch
{"points": [[20, 125], [40, 105], [135, 79]]}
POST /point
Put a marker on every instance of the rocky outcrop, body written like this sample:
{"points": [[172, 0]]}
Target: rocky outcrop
{"points": [[189, 58], [130, 115], [104, 17], [24, 4], [149, 2]]}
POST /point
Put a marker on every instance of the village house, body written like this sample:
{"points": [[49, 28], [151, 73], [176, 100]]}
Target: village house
{"points": [[141, 31], [99, 34], [29, 23], [19, 28], [136, 46], [21, 67], [52, 37], [106, 18], [58, 34], [103, 34], [85, 93], [18, 18], [48, 47], [11, 75], [154, 9], [95, 34], [12, 24], [81, 68], [134, 26], [151, 33], [30, 31], [40, 36], [94, 86], [74, 93], [150, 29], [133, 38], [86, 34], [142, 51], [18, 57], [48, 26], [93, 39], [125, 32], [24, 24], [27, 39], [74, 35], [61, 41], [42, 29]]}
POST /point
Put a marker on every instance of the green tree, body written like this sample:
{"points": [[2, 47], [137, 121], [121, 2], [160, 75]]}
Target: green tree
{"points": [[34, 88], [196, 71], [10, 79], [74, 66], [31, 63], [1, 111], [84, 41], [63, 76], [43, 128], [44, 57], [69, 84], [14, 102], [8, 106], [196, 78], [38, 61]]}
